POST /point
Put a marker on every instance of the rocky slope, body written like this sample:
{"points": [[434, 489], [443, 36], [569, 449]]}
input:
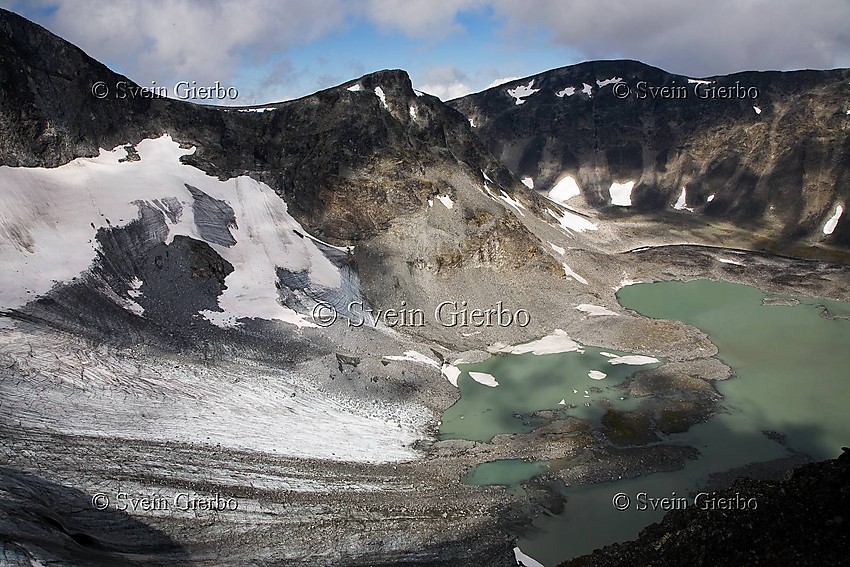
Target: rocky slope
{"points": [[799, 521], [767, 151], [350, 164]]}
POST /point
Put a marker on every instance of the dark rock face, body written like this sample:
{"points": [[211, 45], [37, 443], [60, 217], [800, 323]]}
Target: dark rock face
{"points": [[177, 280], [213, 218], [48, 114], [63, 528], [781, 167], [799, 521]]}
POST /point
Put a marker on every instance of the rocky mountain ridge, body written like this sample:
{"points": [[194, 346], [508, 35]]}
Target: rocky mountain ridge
{"points": [[762, 150], [349, 161]]}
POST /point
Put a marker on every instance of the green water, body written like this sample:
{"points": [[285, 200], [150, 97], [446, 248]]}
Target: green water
{"points": [[791, 367], [792, 364], [508, 471], [530, 383]]}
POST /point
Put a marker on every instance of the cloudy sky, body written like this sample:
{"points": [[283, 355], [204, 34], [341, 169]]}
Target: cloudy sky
{"points": [[275, 50]]}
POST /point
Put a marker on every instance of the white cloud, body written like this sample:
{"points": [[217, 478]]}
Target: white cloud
{"points": [[204, 41], [445, 82], [209, 40], [696, 38], [419, 18], [501, 81]]}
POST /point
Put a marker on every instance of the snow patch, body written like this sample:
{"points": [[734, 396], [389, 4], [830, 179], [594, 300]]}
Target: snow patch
{"points": [[134, 293], [472, 123], [484, 378], [610, 81], [446, 201], [135, 285], [379, 92], [710, 198], [830, 225], [355, 88], [129, 305], [348, 249], [451, 373], [572, 222], [625, 282], [569, 91], [699, 82], [565, 189], [221, 319], [595, 310], [524, 559], [727, 261], [587, 89], [681, 202], [521, 92], [413, 356], [512, 202], [412, 111], [621, 193], [528, 182], [571, 274], [596, 375], [559, 341], [757, 109], [558, 249]]}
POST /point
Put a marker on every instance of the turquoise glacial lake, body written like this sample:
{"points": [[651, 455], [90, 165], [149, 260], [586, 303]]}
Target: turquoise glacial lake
{"points": [[529, 383], [790, 357]]}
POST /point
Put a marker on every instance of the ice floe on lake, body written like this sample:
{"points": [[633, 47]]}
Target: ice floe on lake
{"points": [[484, 378], [634, 359], [558, 341]]}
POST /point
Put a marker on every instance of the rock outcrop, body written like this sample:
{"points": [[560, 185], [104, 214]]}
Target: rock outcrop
{"points": [[798, 521]]}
